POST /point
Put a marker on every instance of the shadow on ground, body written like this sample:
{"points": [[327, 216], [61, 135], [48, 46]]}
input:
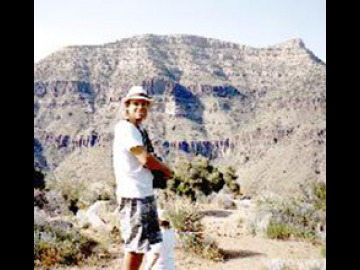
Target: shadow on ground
{"points": [[233, 254], [217, 213]]}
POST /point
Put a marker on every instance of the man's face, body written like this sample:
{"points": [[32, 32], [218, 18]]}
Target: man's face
{"points": [[137, 109]]}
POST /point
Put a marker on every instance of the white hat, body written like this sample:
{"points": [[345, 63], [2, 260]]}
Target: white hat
{"points": [[137, 92]]}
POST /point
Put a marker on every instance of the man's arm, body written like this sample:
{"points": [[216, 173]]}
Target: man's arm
{"points": [[149, 160]]}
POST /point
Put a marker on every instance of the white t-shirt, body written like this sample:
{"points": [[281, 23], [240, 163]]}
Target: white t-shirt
{"points": [[166, 260], [132, 179]]}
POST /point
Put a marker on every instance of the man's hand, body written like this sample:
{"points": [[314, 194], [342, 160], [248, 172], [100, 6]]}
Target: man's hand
{"points": [[167, 173]]}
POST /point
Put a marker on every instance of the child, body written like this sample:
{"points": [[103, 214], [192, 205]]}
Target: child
{"points": [[161, 255]]}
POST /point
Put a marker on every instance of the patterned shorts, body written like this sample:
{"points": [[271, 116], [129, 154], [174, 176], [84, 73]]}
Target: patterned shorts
{"points": [[139, 223]]}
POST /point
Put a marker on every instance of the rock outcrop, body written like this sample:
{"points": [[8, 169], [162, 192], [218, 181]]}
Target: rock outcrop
{"points": [[240, 106]]}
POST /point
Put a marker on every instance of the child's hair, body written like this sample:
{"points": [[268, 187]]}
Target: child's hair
{"points": [[164, 223]]}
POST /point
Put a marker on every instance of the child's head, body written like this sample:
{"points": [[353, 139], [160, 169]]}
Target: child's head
{"points": [[163, 221]]}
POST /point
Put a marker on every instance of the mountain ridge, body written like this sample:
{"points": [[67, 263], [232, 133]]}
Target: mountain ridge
{"points": [[207, 93]]}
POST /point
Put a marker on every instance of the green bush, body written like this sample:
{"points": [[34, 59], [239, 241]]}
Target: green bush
{"points": [[199, 177], [279, 231], [230, 180]]}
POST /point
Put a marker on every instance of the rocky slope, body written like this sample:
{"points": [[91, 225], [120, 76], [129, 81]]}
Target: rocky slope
{"points": [[261, 110]]}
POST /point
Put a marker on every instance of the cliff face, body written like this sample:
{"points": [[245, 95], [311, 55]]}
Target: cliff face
{"points": [[261, 110]]}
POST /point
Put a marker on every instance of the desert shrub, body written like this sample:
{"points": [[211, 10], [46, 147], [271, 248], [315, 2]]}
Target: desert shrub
{"points": [[198, 177], [58, 244], [55, 205], [51, 201], [230, 178], [40, 217], [39, 198], [295, 217], [315, 193], [279, 231], [290, 218], [80, 194], [185, 217]]}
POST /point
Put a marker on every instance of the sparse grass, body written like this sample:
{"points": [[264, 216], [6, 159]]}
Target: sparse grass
{"points": [[185, 217], [279, 231], [297, 218], [318, 192], [295, 265], [278, 267], [323, 251]]}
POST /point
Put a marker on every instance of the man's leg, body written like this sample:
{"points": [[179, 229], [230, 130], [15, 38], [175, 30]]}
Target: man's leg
{"points": [[132, 261], [131, 232]]}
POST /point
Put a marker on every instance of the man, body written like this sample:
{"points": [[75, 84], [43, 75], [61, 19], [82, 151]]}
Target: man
{"points": [[133, 165]]}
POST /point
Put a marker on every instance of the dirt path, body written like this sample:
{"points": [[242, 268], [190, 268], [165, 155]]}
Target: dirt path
{"points": [[251, 253], [243, 252], [248, 253]]}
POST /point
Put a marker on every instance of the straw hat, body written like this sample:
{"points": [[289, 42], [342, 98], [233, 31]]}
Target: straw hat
{"points": [[138, 93]]}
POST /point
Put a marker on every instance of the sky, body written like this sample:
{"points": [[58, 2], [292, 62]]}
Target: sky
{"points": [[256, 23]]}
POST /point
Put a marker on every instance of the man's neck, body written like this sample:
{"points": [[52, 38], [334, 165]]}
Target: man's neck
{"points": [[135, 122]]}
